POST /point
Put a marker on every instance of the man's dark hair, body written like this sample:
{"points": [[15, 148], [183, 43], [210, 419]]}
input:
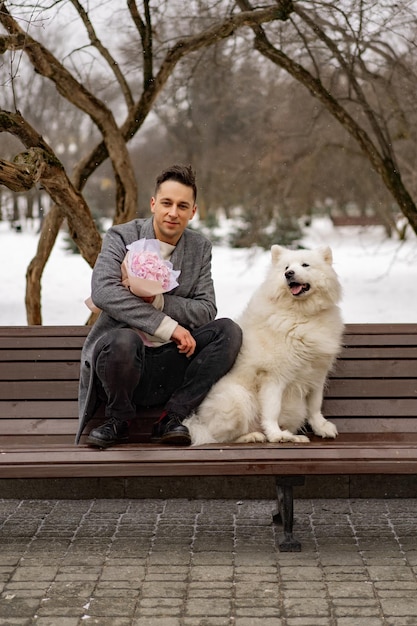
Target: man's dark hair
{"points": [[183, 174]]}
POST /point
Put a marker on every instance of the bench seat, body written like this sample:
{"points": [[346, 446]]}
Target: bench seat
{"points": [[350, 453]]}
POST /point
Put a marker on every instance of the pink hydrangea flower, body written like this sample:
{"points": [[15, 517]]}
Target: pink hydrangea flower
{"points": [[145, 272], [150, 266]]}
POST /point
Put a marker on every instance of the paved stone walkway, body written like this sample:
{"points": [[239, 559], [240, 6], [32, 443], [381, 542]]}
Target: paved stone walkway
{"points": [[206, 563]]}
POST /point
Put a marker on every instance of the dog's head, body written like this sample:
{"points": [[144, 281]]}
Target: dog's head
{"points": [[306, 272]]}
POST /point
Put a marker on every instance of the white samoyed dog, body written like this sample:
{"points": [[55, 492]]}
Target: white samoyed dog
{"points": [[292, 331]]}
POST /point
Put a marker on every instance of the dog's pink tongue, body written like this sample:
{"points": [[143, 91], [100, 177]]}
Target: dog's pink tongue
{"points": [[296, 289]]}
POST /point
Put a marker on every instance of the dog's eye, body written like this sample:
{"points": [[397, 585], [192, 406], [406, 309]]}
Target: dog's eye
{"points": [[305, 265], [286, 267]]}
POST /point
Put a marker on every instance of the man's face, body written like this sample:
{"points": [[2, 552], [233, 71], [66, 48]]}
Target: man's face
{"points": [[173, 207]]}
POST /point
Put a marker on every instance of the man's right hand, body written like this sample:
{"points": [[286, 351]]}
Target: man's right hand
{"points": [[184, 340]]}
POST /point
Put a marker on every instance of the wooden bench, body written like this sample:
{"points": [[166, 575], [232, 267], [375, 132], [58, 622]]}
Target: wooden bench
{"points": [[357, 220], [371, 396]]}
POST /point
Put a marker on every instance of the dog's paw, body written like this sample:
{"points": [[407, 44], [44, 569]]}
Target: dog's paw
{"points": [[287, 437], [255, 437], [326, 430]]}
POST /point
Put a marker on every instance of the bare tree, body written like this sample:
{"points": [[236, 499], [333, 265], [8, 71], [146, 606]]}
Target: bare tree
{"points": [[157, 52], [340, 53]]}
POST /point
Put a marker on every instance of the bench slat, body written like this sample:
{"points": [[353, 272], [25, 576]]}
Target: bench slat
{"points": [[358, 407], [46, 426], [339, 388], [381, 340], [38, 409], [377, 424], [380, 328], [370, 388], [387, 368], [18, 370], [40, 354], [39, 389], [44, 331], [28, 342], [352, 454], [64, 426], [378, 352]]}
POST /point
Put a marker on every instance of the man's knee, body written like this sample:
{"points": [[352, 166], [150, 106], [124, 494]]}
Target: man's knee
{"points": [[231, 330], [122, 345], [232, 336]]}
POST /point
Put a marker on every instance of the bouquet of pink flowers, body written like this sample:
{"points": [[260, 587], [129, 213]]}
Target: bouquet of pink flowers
{"points": [[144, 272]]}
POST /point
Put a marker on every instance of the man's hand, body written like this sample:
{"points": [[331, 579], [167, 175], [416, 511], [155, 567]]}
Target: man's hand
{"points": [[184, 340]]}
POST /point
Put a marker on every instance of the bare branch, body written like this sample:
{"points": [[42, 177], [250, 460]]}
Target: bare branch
{"points": [[95, 41], [145, 31], [384, 142], [47, 65], [18, 176], [12, 42], [15, 124], [139, 112]]}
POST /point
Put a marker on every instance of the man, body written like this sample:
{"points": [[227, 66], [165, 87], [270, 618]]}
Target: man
{"points": [[165, 350]]}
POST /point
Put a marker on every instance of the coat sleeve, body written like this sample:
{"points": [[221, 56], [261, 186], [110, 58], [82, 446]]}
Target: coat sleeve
{"points": [[111, 296]]}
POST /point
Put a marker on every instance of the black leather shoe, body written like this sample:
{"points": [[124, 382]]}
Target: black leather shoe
{"points": [[111, 432], [171, 431]]}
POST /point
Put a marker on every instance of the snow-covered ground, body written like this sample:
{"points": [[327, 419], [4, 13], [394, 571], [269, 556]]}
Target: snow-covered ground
{"points": [[378, 275]]}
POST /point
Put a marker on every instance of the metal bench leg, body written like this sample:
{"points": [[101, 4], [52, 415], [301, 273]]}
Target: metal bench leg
{"points": [[285, 514]]}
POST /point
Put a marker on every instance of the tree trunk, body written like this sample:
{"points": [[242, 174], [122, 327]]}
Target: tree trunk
{"points": [[51, 225]]}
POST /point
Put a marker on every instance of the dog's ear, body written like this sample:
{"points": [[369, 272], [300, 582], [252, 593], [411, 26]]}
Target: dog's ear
{"points": [[276, 252], [327, 254]]}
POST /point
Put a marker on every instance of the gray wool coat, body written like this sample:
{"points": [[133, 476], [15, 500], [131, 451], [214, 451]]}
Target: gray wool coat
{"points": [[192, 304]]}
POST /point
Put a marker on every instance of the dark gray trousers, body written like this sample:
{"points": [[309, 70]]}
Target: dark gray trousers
{"points": [[130, 374]]}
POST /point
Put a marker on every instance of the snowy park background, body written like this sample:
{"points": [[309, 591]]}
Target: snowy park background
{"points": [[378, 275]]}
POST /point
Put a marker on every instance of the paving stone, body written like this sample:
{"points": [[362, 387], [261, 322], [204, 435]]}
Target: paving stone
{"points": [[213, 573], [259, 611], [351, 589], [210, 607], [357, 611], [399, 606], [306, 606], [261, 621], [301, 573], [310, 621], [108, 606], [34, 573], [105, 621], [358, 621], [126, 572], [156, 621], [13, 605], [57, 621], [391, 573]]}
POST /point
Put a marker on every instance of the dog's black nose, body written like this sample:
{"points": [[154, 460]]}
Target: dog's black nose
{"points": [[289, 274]]}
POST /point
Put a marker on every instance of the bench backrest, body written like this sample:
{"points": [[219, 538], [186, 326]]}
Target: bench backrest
{"points": [[373, 387]]}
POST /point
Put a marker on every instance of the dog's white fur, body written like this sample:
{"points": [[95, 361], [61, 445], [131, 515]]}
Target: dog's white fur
{"points": [[291, 337]]}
